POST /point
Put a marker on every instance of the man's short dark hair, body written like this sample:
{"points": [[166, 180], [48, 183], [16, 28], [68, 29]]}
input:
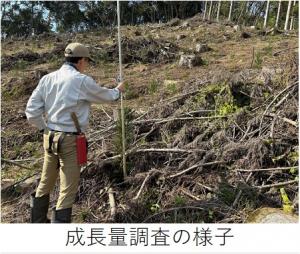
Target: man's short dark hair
{"points": [[74, 60]]}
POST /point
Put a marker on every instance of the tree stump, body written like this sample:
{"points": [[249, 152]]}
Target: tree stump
{"points": [[190, 61]]}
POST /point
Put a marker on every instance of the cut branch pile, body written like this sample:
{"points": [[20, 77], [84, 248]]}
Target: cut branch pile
{"points": [[212, 168], [144, 50]]}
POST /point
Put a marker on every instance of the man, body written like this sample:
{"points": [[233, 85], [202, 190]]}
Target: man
{"points": [[49, 108]]}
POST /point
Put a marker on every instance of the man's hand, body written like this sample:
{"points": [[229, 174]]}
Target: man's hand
{"points": [[121, 87]]}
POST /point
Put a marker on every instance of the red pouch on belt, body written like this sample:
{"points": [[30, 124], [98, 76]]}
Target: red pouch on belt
{"points": [[81, 146]]}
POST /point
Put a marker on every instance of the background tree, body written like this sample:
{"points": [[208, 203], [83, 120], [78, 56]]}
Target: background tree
{"points": [[266, 14], [287, 15], [278, 13], [68, 15], [20, 18], [293, 15], [218, 11], [205, 10], [230, 10], [210, 10]]}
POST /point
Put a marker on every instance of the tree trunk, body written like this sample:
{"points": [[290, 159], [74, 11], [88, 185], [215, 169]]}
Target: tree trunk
{"points": [[166, 12], [176, 12], [32, 17], [287, 16], [258, 14], [132, 13], [249, 13], [205, 9], [230, 10], [244, 5], [210, 8], [218, 13], [292, 23], [278, 14], [266, 14], [293, 18], [153, 14]]}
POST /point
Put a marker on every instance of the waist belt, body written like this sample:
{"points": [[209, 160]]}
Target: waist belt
{"points": [[72, 133]]}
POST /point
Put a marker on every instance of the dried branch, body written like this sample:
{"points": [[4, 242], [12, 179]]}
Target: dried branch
{"points": [[283, 99], [113, 126], [142, 186], [110, 118], [19, 182], [151, 150], [246, 133], [206, 187], [273, 101], [283, 50], [283, 118], [193, 167], [240, 191], [174, 209], [189, 194], [197, 112], [265, 169], [253, 55], [168, 150], [112, 203], [14, 163], [159, 121], [276, 184], [173, 99]]}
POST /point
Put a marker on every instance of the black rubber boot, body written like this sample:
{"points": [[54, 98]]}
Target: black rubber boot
{"points": [[39, 208], [61, 216]]}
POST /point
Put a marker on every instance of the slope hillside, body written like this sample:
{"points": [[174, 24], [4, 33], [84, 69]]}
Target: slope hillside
{"points": [[211, 123]]}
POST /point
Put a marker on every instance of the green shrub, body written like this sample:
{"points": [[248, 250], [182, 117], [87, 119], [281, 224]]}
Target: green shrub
{"points": [[153, 87], [20, 65], [227, 108], [268, 50], [258, 60], [179, 201], [172, 88]]}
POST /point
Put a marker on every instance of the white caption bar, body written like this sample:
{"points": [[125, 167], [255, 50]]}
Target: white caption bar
{"points": [[167, 238]]}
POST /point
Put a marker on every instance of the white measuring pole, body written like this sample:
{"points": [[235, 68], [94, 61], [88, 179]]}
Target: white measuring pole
{"points": [[122, 105]]}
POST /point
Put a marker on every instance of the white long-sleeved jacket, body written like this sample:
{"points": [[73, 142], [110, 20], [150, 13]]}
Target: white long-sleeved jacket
{"points": [[64, 91]]}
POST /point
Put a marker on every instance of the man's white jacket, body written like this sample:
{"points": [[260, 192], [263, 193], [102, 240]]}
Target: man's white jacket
{"points": [[64, 91]]}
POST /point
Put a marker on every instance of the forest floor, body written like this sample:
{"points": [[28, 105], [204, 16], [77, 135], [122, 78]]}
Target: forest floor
{"points": [[211, 142]]}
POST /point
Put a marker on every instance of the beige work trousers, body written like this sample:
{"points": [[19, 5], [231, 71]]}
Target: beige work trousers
{"points": [[64, 163]]}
